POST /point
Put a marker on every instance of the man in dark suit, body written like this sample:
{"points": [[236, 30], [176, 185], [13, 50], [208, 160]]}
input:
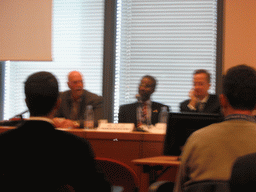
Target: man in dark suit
{"points": [[200, 100], [75, 100], [128, 113], [37, 157]]}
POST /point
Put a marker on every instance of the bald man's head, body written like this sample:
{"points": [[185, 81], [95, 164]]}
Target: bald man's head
{"points": [[75, 83]]}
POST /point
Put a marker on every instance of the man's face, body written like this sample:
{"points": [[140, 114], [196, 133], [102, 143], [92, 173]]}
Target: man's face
{"points": [[146, 88], [201, 85], [75, 84]]}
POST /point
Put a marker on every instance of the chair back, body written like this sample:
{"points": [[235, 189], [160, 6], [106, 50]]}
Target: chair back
{"points": [[243, 175], [208, 186], [119, 174]]}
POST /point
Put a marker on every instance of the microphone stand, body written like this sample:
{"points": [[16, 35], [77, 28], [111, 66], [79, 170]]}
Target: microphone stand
{"points": [[20, 115]]}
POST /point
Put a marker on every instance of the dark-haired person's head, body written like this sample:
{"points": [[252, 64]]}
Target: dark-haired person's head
{"points": [[239, 87], [201, 83], [147, 87], [203, 71], [41, 91]]}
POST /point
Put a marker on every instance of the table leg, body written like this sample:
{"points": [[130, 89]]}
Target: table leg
{"points": [[144, 181]]}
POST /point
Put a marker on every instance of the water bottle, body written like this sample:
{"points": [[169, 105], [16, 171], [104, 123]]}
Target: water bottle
{"points": [[163, 115], [89, 117]]}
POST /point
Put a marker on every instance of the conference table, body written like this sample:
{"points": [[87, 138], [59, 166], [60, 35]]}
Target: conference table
{"points": [[121, 146]]}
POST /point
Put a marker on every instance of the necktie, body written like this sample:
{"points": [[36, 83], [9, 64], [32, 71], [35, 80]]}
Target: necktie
{"points": [[200, 106], [144, 113]]}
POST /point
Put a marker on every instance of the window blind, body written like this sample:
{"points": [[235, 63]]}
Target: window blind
{"points": [[167, 39], [77, 44]]}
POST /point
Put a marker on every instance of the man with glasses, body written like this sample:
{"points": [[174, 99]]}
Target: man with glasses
{"points": [[200, 100]]}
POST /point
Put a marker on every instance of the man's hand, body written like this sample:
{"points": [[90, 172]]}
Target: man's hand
{"points": [[65, 123], [193, 98]]}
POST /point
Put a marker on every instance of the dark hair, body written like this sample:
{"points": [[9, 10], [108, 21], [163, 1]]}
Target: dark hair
{"points": [[208, 75], [239, 86], [152, 79], [42, 91]]}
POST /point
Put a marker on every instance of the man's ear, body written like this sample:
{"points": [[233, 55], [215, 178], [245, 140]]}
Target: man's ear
{"points": [[223, 101]]}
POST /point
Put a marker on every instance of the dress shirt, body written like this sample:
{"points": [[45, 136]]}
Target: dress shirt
{"points": [[75, 106], [204, 100], [149, 109]]}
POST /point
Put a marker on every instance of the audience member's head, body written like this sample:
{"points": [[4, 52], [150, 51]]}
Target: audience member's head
{"points": [[75, 83], [41, 91], [201, 83], [239, 87], [147, 87]]}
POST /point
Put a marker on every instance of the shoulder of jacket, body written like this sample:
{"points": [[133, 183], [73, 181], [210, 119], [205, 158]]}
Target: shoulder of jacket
{"points": [[65, 93], [90, 94], [185, 102], [128, 105]]}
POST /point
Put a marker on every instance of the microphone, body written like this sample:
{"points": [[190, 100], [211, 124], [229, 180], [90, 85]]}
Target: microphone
{"points": [[20, 115]]}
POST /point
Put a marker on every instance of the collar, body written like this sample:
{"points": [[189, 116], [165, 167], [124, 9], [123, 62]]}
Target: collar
{"points": [[148, 102], [240, 117], [72, 99], [78, 100], [42, 119]]}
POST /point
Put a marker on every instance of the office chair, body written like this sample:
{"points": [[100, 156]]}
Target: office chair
{"points": [[119, 174], [243, 176]]}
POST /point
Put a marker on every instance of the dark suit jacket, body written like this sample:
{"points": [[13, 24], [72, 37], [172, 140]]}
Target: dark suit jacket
{"points": [[127, 113], [88, 98], [243, 177], [37, 157], [212, 106]]}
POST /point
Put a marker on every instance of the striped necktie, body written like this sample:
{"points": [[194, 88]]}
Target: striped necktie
{"points": [[200, 106], [144, 113]]}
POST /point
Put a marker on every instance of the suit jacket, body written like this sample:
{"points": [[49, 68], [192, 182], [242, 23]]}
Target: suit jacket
{"points": [[212, 105], [128, 113], [243, 177], [37, 157], [88, 98]]}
